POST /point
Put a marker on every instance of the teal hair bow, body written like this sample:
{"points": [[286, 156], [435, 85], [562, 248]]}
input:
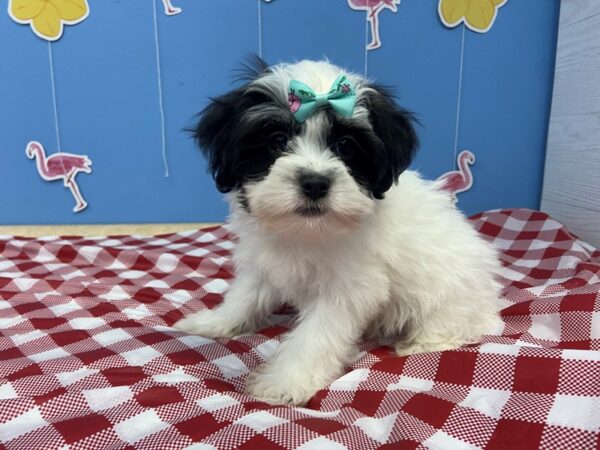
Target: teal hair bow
{"points": [[303, 100]]}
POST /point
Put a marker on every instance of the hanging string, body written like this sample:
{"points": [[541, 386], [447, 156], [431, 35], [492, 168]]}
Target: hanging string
{"points": [[366, 44], [54, 103], [160, 93], [259, 2], [459, 95]]}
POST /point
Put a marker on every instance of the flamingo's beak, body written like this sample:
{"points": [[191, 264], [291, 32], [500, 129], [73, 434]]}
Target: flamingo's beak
{"points": [[29, 153]]}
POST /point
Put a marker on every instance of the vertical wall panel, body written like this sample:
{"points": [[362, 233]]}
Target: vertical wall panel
{"points": [[572, 177]]}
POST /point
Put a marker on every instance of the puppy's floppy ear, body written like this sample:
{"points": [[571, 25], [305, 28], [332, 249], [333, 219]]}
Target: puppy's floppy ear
{"points": [[394, 127], [214, 135], [215, 132]]}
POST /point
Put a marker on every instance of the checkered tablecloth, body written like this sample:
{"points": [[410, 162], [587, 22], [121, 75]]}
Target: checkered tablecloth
{"points": [[88, 357]]}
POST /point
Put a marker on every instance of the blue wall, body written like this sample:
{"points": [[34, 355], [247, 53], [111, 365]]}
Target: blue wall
{"points": [[106, 80]]}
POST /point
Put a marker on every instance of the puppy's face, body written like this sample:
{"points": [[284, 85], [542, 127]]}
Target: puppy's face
{"points": [[322, 176]]}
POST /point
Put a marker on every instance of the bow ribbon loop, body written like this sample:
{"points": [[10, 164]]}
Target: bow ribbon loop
{"points": [[303, 100]]}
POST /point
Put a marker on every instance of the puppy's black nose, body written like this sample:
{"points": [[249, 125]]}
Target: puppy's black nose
{"points": [[314, 186]]}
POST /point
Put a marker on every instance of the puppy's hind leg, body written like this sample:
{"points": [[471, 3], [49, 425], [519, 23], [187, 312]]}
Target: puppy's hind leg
{"points": [[425, 343], [247, 303], [443, 330]]}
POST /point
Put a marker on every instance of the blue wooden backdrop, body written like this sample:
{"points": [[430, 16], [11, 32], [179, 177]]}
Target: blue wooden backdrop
{"points": [[106, 81]]}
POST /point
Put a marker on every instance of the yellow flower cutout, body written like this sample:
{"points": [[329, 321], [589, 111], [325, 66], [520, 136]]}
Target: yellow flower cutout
{"points": [[478, 15], [47, 17]]}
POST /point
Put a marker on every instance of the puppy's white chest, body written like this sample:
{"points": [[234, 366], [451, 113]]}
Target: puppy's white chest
{"points": [[295, 273]]}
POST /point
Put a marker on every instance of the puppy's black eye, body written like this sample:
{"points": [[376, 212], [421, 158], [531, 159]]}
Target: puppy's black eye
{"points": [[345, 146], [278, 141]]}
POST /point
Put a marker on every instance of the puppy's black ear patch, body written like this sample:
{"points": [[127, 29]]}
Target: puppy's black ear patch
{"points": [[394, 126], [218, 132], [213, 134], [235, 148]]}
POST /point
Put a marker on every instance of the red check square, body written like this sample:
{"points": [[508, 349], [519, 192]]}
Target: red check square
{"points": [[432, 410], [535, 374]]}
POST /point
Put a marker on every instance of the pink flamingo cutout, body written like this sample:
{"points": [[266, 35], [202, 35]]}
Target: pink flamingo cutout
{"points": [[373, 8], [61, 166], [460, 180], [170, 10]]}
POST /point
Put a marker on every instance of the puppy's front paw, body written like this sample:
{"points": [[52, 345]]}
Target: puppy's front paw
{"points": [[273, 387], [207, 323]]}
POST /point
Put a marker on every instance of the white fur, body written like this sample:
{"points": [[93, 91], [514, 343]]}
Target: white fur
{"points": [[408, 269]]}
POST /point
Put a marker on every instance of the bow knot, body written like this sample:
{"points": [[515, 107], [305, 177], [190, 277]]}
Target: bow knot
{"points": [[303, 100]]}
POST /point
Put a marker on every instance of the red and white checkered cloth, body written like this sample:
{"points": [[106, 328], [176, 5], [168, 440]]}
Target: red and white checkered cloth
{"points": [[88, 358]]}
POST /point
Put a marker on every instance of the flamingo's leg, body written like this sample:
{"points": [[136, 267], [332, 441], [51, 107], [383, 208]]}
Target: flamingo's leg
{"points": [[170, 10], [68, 177], [81, 203], [374, 21]]}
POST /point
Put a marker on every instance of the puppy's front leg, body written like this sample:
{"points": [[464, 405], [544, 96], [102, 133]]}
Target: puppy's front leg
{"points": [[314, 353], [249, 301]]}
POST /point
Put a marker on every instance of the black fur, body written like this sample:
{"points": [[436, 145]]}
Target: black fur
{"points": [[242, 198], [251, 69], [393, 127], [237, 149]]}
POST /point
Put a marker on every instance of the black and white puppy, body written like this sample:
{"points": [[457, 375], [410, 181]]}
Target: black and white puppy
{"points": [[330, 221]]}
